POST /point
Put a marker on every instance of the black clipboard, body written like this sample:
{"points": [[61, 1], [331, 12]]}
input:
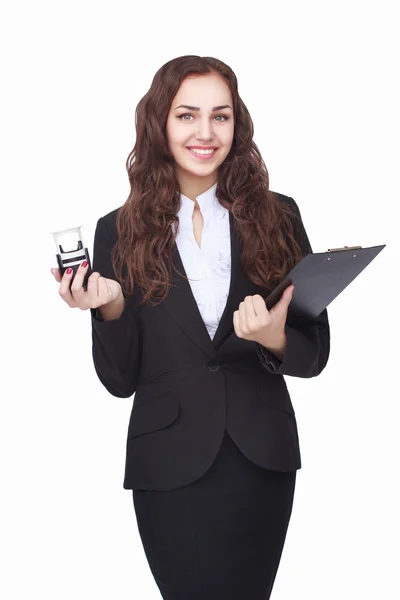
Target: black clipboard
{"points": [[319, 278]]}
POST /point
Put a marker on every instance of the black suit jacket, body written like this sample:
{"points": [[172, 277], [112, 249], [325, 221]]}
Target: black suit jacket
{"points": [[189, 388]]}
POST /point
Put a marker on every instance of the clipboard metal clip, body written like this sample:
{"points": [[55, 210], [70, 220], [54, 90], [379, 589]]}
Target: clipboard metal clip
{"points": [[345, 248]]}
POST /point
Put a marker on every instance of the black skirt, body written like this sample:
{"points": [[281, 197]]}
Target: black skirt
{"points": [[220, 537]]}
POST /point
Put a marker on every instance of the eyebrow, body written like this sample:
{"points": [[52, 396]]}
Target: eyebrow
{"points": [[198, 108]]}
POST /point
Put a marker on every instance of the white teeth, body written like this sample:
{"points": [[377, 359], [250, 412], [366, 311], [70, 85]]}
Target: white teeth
{"points": [[202, 151]]}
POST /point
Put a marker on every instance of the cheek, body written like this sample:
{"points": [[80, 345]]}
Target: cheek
{"points": [[229, 134], [175, 147], [226, 141], [172, 133], [175, 139]]}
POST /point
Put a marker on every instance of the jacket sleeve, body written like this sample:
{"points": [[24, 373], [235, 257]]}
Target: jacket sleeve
{"points": [[116, 342], [308, 342]]}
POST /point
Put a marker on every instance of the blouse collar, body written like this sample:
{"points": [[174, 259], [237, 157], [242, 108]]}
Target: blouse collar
{"points": [[207, 202]]}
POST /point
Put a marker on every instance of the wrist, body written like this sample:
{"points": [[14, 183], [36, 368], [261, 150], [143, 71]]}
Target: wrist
{"points": [[277, 347], [114, 309]]}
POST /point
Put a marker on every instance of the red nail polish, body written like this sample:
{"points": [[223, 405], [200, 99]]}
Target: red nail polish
{"points": [[69, 271], [84, 264]]}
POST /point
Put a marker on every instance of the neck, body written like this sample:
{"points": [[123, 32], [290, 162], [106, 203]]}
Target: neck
{"points": [[192, 186]]}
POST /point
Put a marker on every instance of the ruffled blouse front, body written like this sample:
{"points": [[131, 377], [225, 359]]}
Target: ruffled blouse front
{"points": [[208, 268]]}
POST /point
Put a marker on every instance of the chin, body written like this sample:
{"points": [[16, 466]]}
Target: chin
{"points": [[202, 169], [200, 172]]}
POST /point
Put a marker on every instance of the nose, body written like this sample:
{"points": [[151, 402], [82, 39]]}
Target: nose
{"points": [[205, 131]]}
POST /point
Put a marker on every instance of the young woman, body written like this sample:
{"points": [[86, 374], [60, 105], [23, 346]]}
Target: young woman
{"points": [[178, 314]]}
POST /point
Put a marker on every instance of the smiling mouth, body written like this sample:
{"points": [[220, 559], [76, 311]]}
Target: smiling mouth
{"points": [[204, 154]]}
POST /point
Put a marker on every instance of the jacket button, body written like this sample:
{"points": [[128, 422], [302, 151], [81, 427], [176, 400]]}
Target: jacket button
{"points": [[213, 367]]}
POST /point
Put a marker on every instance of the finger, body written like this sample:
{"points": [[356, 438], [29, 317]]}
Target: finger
{"points": [[242, 318], [249, 320], [93, 289], [64, 289], [249, 308], [56, 274], [261, 309], [236, 324], [287, 293], [104, 291], [281, 307], [77, 291]]}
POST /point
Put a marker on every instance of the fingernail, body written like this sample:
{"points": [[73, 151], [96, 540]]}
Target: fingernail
{"points": [[69, 271], [84, 264]]}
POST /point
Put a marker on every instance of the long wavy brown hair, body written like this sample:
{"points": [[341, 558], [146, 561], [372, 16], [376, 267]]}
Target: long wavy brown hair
{"points": [[264, 224]]}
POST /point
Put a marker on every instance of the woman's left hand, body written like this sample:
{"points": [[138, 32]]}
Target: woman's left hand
{"points": [[254, 322]]}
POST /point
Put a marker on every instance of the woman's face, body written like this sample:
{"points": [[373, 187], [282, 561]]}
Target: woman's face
{"points": [[204, 121]]}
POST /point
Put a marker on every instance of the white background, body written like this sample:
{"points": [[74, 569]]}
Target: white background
{"points": [[320, 80]]}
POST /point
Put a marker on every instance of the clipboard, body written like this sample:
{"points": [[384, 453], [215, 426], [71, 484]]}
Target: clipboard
{"points": [[319, 278]]}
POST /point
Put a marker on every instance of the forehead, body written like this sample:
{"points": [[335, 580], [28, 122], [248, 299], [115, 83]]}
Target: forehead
{"points": [[203, 91]]}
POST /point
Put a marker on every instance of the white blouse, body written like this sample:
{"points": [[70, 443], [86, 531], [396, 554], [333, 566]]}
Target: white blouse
{"points": [[208, 268]]}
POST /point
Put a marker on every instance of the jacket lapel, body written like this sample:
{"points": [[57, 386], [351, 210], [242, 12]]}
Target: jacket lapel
{"points": [[182, 306]]}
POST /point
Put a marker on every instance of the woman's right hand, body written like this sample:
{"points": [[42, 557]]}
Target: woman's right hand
{"points": [[100, 291]]}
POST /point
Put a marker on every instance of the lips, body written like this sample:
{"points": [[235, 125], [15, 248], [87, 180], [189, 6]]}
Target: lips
{"points": [[206, 156], [202, 147]]}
